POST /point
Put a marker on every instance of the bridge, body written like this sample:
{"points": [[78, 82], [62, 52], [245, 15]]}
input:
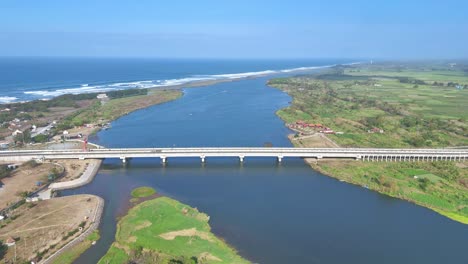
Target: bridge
{"points": [[364, 154]]}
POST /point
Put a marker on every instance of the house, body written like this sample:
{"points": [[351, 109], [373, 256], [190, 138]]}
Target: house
{"points": [[103, 98], [327, 131], [375, 130], [4, 145], [16, 132], [12, 166], [10, 241]]}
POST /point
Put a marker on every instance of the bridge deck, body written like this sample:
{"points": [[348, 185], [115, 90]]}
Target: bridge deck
{"points": [[164, 153]]}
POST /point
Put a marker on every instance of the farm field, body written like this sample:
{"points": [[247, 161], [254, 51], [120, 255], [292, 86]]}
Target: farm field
{"points": [[389, 106]]}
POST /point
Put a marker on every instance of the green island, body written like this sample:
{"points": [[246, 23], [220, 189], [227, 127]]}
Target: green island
{"points": [[142, 192], [163, 230], [387, 105]]}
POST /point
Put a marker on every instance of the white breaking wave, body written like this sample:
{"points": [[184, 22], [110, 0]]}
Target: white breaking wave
{"points": [[86, 88], [7, 99]]}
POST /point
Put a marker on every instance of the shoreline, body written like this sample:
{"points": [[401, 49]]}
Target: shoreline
{"points": [[87, 176], [216, 78], [95, 225], [314, 165], [454, 217]]}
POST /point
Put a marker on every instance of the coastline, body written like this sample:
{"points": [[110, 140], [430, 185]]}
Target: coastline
{"points": [[169, 84]]}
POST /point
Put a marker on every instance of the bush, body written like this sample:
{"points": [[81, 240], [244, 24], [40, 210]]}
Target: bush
{"points": [[4, 171], [31, 164], [40, 138]]}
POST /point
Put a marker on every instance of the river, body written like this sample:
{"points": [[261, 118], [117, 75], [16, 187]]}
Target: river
{"points": [[271, 213]]}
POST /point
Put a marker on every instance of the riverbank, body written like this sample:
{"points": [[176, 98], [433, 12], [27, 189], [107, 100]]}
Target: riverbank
{"points": [[368, 105], [163, 230]]}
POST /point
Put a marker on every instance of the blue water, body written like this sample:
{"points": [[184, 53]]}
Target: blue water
{"points": [[23, 79], [271, 213]]}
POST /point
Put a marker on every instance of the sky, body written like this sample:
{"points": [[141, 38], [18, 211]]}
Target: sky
{"points": [[274, 29]]}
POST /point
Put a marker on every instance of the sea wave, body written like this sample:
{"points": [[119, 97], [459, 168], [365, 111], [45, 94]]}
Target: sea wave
{"points": [[88, 88], [7, 99]]}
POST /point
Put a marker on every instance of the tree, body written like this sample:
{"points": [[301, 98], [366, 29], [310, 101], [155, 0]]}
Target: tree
{"points": [[24, 137], [4, 171]]}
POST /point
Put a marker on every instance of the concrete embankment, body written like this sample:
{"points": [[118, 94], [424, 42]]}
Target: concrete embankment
{"points": [[87, 176]]}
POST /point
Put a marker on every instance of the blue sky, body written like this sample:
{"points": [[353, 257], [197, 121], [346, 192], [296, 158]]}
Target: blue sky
{"points": [[235, 29]]}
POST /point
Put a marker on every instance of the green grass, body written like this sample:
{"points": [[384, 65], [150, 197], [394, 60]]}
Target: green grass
{"points": [[142, 192], [349, 105], [140, 230], [70, 255]]}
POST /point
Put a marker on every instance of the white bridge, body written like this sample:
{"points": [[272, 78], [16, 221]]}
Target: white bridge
{"points": [[365, 154]]}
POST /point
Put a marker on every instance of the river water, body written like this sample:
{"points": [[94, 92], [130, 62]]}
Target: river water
{"points": [[271, 213]]}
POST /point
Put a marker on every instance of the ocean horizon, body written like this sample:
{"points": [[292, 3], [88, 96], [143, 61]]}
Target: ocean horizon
{"points": [[42, 78]]}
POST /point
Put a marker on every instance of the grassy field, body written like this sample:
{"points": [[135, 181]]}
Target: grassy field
{"points": [[163, 230], [416, 106], [354, 100]]}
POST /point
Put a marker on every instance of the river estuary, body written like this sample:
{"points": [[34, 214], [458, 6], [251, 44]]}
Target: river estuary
{"points": [[271, 213]]}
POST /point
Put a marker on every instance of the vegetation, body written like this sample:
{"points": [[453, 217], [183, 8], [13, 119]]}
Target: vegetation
{"points": [[142, 192], [415, 105], [98, 112], [4, 171], [355, 99], [163, 230], [22, 110]]}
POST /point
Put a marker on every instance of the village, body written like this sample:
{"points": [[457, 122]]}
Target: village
{"points": [[32, 225], [33, 130], [305, 129]]}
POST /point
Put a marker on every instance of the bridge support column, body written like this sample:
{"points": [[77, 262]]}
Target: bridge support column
{"points": [[202, 159], [163, 160], [280, 158], [241, 159], [124, 159]]}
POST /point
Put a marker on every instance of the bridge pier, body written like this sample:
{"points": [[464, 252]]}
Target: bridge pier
{"points": [[280, 158], [202, 159], [241, 159], [124, 159], [163, 160]]}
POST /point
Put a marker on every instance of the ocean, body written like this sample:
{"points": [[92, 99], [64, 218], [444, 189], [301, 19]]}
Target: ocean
{"points": [[31, 78]]}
